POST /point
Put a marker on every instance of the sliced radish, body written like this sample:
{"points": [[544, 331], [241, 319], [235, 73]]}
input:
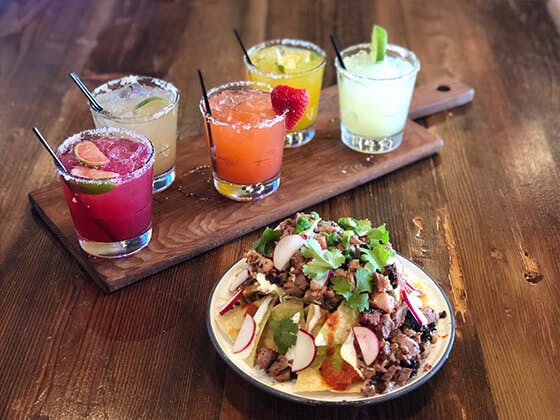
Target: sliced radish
{"points": [[324, 280], [305, 351], [285, 249], [348, 353], [238, 280], [414, 309], [246, 334], [229, 304], [368, 342], [262, 310]]}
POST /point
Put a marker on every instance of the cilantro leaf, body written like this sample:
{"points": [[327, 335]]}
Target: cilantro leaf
{"points": [[377, 256], [346, 238], [341, 287], [322, 260], [302, 224], [378, 235], [358, 298], [359, 226], [265, 244], [284, 332], [332, 238]]}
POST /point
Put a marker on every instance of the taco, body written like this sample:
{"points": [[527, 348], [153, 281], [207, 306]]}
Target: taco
{"points": [[327, 305]]}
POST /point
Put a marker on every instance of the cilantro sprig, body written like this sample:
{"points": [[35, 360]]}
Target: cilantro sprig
{"points": [[302, 224], [357, 297], [321, 260], [265, 245], [360, 227], [284, 332]]}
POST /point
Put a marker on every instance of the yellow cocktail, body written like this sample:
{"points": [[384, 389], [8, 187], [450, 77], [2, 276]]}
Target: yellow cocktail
{"points": [[299, 64]]}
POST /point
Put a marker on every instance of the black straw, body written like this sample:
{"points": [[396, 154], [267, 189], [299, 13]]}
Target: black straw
{"points": [[86, 92], [57, 161], [207, 104], [337, 50], [236, 32]]}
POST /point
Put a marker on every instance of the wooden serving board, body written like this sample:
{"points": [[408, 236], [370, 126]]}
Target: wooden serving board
{"points": [[191, 217]]}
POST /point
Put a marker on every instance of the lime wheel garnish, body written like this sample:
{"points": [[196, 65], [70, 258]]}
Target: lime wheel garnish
{"points": [[378, 43], [103, 182], [88, 154]]}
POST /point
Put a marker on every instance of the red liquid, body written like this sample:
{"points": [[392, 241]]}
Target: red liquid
{"points": [[125, 210]]}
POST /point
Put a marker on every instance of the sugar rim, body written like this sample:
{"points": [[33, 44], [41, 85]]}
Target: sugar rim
{"points": [[101, 133], [128, 80], [298, 43], [396, 49], [240, 86]]}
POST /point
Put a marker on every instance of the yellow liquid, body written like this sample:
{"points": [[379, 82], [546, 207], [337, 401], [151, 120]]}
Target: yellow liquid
{"points": [[296, 67]]}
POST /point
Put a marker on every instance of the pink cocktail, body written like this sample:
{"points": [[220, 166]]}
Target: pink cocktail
{"points": [[109, 190]]}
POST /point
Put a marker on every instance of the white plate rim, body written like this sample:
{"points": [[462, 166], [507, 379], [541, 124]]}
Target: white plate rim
{"points": [[308, 400]]}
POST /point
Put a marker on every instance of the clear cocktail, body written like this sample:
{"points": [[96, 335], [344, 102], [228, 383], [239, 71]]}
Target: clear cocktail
{"points": [[375, 97], [246, 140], [295, 63], [148, 106], [109, 190]]}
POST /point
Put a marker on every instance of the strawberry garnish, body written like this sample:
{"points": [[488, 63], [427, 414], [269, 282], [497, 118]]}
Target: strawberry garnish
{"points": [[293, 100]]}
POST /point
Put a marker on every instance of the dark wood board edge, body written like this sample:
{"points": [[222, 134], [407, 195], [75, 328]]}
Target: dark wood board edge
{"points": [[288, 208]]}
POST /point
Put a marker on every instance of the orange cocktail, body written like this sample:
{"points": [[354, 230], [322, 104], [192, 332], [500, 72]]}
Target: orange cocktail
{"points": [[246, 140]]}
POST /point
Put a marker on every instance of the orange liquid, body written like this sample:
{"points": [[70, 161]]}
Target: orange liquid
{"points": [[250, 152]]}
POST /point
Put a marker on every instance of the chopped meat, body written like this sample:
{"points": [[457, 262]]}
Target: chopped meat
{"points": [[442, 314], [354, 264], [296, 285], [324, 297], [328, 228], [260, 263], [370, 318], [385, 326], [394, 277], [407, 349], [368, 389], [355, 240], [296, 263], [265, 357], [280, 369], [383, 301], [322, 241], [430, 315], [384, 386], [382, 283], [387, 376], [402, 376], [399, 315]]}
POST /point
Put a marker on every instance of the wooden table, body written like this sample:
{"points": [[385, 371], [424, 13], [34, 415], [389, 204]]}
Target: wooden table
{"points": [[483, 217]]}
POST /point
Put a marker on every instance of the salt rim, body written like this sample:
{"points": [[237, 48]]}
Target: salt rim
{"points": [[100, 133], [289, 42], [396, 49], [128, 80], [240, 86]]}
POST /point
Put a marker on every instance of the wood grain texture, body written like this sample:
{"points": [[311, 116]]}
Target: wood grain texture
{"points": [[482, 216], [211, 220]]}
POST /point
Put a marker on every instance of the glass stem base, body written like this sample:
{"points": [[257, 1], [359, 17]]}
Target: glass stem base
{"points": [[300, 137], [163, 181], [245, 192], [118, 249], [370, 145]]}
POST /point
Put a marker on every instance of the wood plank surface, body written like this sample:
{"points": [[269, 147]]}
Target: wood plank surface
{"points": [[322, 169], [482, 216]]}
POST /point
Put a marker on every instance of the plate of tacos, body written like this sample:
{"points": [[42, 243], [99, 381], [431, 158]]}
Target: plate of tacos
{"points": [[327, 312]]}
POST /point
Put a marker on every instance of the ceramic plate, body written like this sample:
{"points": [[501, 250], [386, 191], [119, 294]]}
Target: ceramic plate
{"points": [[436, 357]]}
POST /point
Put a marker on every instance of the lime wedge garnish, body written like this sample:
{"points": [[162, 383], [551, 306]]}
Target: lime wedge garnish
{"points": [[378, 43], [150, 106], [89, 154], [103, 180]]}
